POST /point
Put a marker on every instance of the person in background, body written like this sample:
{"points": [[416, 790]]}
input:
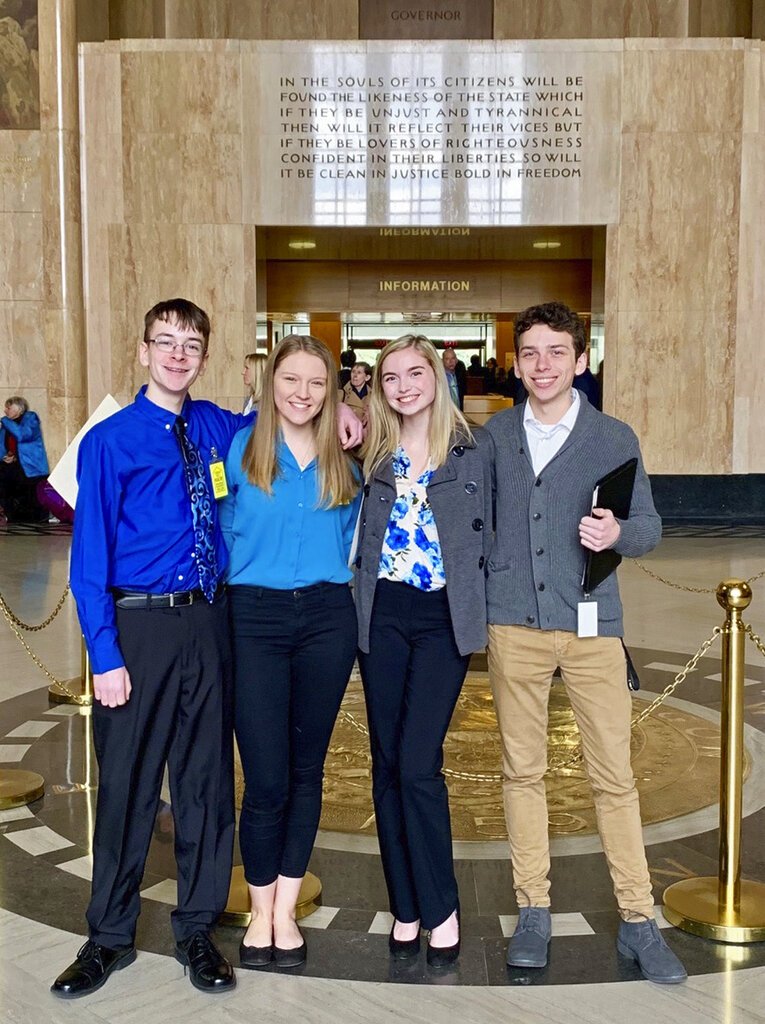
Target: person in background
{"points": [[456, 377], [425, 534], [24, 462], [252, 375], [588, 384], [355, 394], [288, 521], [491, 375], [347, 362]]}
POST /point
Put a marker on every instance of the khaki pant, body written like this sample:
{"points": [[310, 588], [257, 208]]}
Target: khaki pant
{"points": [[521, 665]]}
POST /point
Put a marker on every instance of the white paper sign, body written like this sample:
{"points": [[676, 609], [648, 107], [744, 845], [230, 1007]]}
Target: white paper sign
{"points": [[63, 479]]}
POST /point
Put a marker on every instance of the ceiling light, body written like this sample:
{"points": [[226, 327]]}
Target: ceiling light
{"points": [[302, 245], [546, 245]]}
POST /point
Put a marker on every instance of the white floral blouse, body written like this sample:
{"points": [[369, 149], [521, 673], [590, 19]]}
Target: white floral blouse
{"points": [[411, 550]]}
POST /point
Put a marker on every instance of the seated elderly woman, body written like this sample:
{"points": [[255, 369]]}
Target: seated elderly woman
{"points": [[23, 462]]}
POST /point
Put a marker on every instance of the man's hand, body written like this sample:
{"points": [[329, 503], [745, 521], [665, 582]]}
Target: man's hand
{"points": [[112, 688], [349, 428], [600, 530]]}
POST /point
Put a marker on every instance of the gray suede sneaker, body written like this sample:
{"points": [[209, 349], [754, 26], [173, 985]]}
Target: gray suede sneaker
{"points": [[528, 946], [642, 941]]}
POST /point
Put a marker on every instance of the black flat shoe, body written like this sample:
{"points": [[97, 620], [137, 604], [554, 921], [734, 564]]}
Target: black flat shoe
{"points": [[209, 970], [255, 956], [91, 969], [291, 957], [443, 956], [403, 949]]}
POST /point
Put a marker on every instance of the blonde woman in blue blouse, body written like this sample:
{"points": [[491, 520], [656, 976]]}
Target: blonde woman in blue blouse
{"points": [[288, 521], [426, 533]]}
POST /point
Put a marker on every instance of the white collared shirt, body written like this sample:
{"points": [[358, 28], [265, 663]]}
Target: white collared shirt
{"points": [[545, 440]]}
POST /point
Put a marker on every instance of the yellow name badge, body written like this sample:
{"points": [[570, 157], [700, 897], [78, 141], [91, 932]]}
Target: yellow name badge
{"points": [[218, 477]]}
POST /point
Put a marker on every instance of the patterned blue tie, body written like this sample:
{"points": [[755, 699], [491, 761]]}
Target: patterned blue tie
{"points": [[201, 512]]}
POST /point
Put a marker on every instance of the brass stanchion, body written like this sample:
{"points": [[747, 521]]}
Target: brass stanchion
{"points": [[727, 908], [237, 910], [77, 691], [19, 787]]}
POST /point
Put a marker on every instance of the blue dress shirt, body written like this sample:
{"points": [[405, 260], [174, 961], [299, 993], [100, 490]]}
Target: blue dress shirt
{"points": [[283, 541], [132, 526]]}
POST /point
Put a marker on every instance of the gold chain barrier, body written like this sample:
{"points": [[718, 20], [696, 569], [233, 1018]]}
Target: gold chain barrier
{"points": [[727, 908], [59, 692], [682, 586]]}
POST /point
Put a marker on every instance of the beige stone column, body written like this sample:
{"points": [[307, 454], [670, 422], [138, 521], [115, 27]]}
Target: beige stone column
{"points": [[62, 317]]}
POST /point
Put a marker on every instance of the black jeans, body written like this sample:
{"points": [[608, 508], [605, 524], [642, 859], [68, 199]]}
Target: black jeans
{"points": [[179, 713], [412, 678], [294, 651]]}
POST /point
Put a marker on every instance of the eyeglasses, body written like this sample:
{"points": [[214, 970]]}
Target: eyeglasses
{"points": [[192, 349]]}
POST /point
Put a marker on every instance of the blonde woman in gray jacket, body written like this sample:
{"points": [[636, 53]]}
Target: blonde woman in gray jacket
{"points": [[420, 597]]}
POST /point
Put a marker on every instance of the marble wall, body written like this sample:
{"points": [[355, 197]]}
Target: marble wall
{"points": [[167, 194], [339, 19], [672, 265], [748, 452], [23, 361]]}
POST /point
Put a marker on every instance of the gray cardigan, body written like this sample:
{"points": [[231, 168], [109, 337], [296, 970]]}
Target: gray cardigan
{"points": [[460, 494], [535, 571]]}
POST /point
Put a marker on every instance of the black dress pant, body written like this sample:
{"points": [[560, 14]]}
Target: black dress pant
{"points": [[179, 713], [294, 651], [412, 678]]}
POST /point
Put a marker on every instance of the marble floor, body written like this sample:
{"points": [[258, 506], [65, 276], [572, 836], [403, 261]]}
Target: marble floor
{"points": [[45, 865]]}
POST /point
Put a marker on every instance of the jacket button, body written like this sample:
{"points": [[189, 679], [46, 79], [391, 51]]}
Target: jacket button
{"points": [[537, 516], [366, 490], [458, 450], [540, 551], [383, 498], [481, 562], [358, 562], [478, 524], [541, 586], [470, 487], [530, 619], [538, 482]]}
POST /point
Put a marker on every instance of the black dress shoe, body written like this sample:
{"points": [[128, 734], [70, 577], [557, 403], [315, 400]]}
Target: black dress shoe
{"points": [[255, 956], [291, 957], [209, 970], [403, 949], [90, 970]]}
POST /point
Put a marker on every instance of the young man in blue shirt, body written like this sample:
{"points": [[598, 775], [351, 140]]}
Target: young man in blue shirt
{"points": [[148, 558]]}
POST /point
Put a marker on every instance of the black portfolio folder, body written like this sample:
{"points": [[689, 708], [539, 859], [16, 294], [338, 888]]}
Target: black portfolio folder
{"points": [[614, 491]]}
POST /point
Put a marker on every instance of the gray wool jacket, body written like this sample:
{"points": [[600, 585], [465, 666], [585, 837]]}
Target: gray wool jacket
{"points": [[535, 571], [460, 494]]}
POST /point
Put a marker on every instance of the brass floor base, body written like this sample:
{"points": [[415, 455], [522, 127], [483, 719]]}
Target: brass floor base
{"points": [[693, 906], [59, 696], [18, 787], [237, 910]]}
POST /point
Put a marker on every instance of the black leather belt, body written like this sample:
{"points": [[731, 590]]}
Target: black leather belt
{"points": [[180, 599]]}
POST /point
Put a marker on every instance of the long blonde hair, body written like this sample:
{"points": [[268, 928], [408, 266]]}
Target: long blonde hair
{"points": [[446, 420], [337, 485], [256, 364]]}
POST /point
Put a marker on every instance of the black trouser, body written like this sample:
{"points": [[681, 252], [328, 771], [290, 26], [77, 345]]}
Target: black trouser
{"points": [[412, 678], [179, 713], [294, 651]]}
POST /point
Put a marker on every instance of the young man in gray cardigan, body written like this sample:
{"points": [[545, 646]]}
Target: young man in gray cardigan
{"points": [[550, 453]]}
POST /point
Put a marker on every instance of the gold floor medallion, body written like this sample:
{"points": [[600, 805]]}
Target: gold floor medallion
{"points": [[675, 756]]}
